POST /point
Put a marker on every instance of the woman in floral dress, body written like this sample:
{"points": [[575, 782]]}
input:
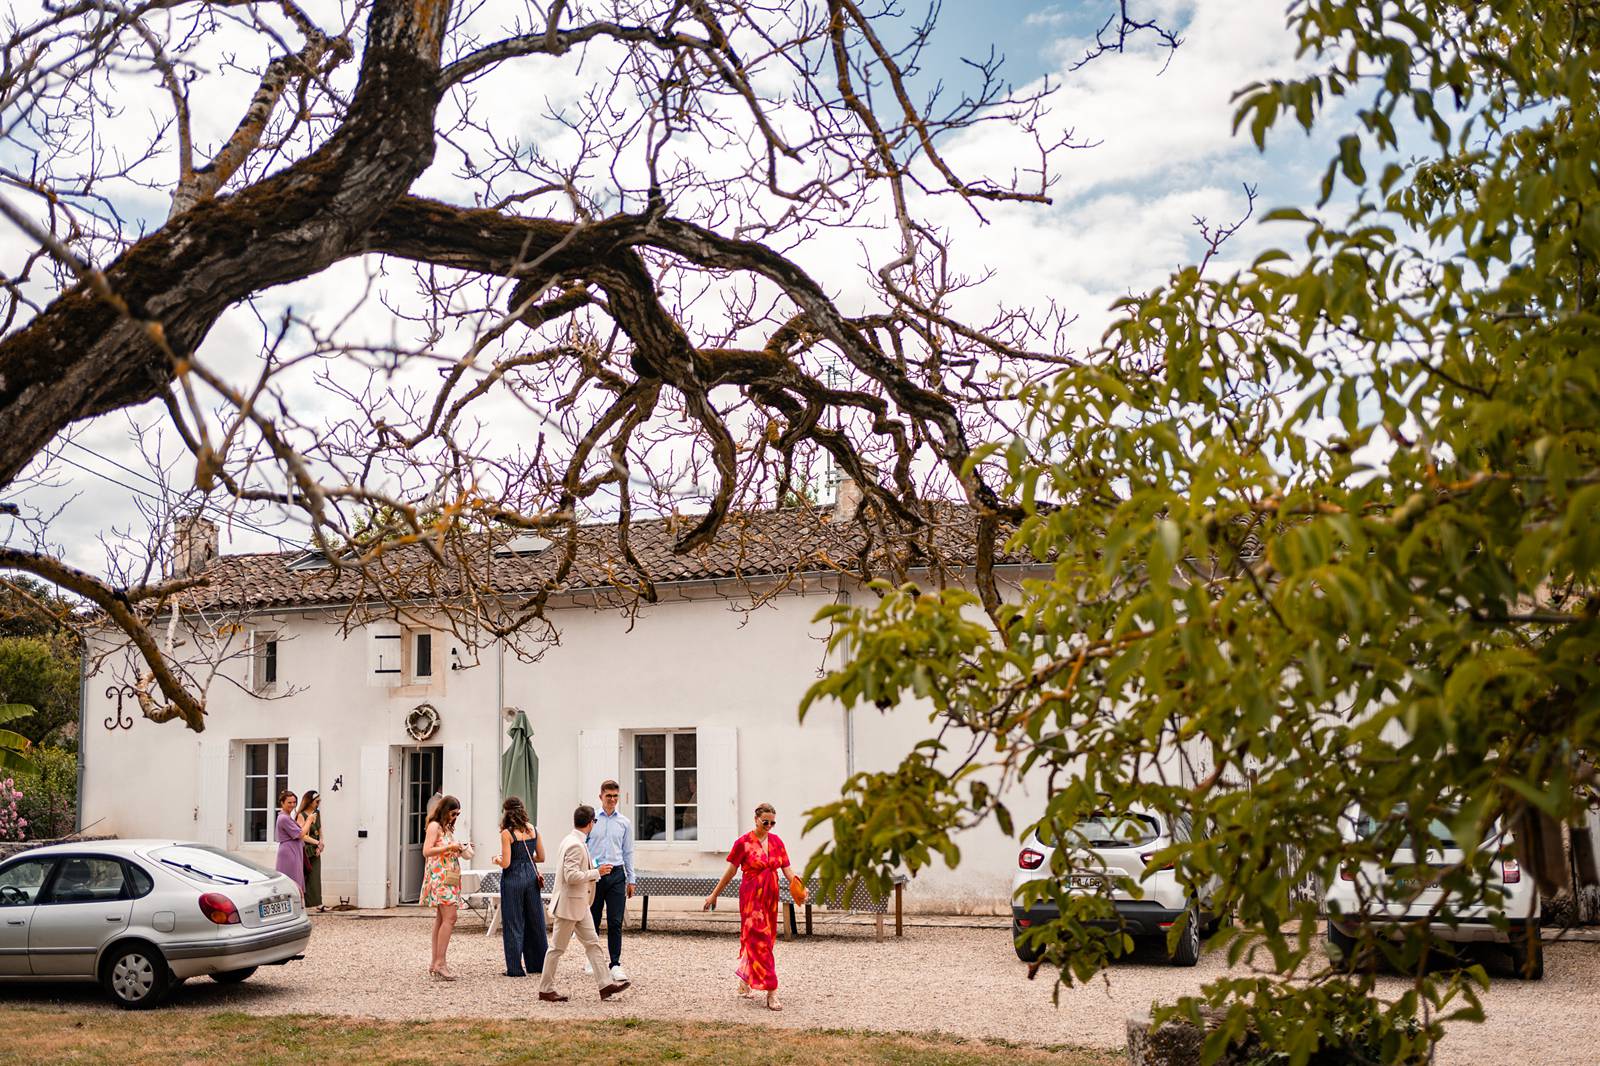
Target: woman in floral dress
{"points": [[760, 857], [441, 878]]}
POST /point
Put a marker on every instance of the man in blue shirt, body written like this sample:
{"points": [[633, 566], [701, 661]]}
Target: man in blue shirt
{"points": [[611, 842]]}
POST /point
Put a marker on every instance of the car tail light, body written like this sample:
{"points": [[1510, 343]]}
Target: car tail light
{"points": [[1030, 859], [1024, 923], [1347, 874], [1511, 872], [1145, 858], [219, 908]]}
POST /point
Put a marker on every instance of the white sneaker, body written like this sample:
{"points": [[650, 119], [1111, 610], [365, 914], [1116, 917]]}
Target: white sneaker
{"points": [[617, 973], [587, 968]]}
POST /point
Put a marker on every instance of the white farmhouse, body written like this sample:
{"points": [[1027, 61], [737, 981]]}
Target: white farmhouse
{"points": [[689, 702]]}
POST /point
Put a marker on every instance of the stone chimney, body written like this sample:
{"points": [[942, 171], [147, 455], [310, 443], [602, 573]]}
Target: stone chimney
{"points": [[194, 544], [847, 500]]}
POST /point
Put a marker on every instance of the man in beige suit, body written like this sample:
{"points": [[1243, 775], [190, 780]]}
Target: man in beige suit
{"points": [[574, 893]]}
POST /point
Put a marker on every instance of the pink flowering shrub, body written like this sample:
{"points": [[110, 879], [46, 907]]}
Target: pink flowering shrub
{"points": [[13, 825]]}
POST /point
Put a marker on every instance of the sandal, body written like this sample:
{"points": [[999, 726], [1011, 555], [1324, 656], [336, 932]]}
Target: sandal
{"points": [[774, 1005]]}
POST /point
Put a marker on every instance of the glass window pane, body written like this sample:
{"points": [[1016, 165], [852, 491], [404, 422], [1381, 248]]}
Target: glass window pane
{"points": [[652, 823], [685, 823], [283, 760], [685, 785], [255, 830], [211, 865], [256, 793], [26, 877], [650, 787], [650, 750], [87, 880], [683, 749], [424, 654], [255, 758]]}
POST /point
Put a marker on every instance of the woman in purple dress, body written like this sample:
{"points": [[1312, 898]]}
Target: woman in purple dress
{"points": [[291, 852]]}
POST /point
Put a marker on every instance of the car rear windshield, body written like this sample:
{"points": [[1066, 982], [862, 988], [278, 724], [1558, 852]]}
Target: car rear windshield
{"points": [[1439, 831], [1117, 830], [210, 865]]}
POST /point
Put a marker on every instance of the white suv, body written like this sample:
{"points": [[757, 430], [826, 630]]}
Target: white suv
{"points": [[1372, 894], [1122, 847]]}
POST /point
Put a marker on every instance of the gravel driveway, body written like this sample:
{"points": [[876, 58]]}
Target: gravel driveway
{"points": [[955, 980]]}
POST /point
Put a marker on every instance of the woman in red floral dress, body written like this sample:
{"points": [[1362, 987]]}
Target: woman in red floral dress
{"points": [[760, 856]]}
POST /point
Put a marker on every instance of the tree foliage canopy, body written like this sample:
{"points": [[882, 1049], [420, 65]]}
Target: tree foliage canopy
{"points": [[1322, 528]]}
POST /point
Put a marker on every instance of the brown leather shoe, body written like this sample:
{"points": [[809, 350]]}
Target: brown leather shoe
{"points": [[612, 989], [552, 997]]}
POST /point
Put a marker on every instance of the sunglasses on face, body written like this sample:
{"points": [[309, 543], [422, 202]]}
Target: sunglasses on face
{"points": [[768, 822]]}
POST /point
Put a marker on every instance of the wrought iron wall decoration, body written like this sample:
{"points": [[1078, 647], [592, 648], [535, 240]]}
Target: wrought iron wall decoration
{"points": [[119, 693]]}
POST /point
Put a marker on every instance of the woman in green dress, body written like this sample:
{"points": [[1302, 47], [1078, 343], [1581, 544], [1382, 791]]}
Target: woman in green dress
{"points": [[310, 818]]}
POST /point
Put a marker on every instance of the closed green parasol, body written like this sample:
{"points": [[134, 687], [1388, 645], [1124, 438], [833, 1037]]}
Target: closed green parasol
{"points": [[519, 767]]}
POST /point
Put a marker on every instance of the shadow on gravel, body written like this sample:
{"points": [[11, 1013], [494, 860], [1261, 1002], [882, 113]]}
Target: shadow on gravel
{"points": [[200, 993]]}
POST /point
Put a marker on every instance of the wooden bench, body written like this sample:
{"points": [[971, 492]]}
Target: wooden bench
{"points": [[699, 886]]}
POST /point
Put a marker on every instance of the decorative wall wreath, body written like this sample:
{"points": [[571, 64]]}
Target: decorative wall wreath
{"points": [[423, 721]]}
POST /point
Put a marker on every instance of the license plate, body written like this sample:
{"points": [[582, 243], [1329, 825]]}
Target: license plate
{"points": [[1085, 882], [276, 907]]}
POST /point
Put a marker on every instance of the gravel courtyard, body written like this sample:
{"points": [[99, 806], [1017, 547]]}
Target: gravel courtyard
{"points": [[962, 981]]}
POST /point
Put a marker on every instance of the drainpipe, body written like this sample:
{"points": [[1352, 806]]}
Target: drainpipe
{"points": [[849, 713], [499, 708], [83, 730]]}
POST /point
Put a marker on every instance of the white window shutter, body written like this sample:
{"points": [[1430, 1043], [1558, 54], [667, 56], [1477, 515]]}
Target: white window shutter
{"points": [[385, 654], [305, 768], [458, 783], [372, 850], [211, 827], [718, 783], [598, 750]]}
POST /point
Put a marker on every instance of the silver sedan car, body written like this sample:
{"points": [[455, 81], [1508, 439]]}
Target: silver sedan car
{"points": [[141, 915]]}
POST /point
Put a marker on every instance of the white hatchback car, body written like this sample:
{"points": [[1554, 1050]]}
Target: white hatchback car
{"points": [[141, 915], [1372, 895], [1122, 849]]}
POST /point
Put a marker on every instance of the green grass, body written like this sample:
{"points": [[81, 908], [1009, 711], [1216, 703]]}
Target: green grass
{"points": [[35, 1035]]}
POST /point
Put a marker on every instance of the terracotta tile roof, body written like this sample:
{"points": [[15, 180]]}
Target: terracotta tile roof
{"points": [[750, 545]]}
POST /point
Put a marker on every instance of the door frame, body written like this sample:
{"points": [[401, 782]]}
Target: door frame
{"points": [[401, 810]]}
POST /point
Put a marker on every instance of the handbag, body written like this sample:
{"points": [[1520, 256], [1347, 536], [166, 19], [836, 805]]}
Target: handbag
{"points": [[797, 890], [532, 862], [450, 876]]}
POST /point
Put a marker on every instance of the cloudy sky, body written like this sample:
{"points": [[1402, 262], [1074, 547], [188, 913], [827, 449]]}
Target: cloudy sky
{"points": [[1123, 212]]}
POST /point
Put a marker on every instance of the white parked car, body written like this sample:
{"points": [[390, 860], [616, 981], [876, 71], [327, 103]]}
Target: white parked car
{"points": [[1121, 846], [140, 915], [1403, 892]]}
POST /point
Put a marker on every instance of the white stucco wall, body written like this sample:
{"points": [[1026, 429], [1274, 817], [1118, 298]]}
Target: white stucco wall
{"points": [[684, 663]]}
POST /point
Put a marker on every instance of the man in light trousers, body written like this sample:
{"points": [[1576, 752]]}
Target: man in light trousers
{"points": [[575, 882]]}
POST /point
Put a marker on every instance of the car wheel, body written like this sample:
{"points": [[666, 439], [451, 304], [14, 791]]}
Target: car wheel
{"points": [[135, 976], [1342, 949], [1187, 950], [1527, 955], [233, 977], [1025, 952]]}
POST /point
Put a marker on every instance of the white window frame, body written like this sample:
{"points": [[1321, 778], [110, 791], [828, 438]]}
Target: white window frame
{"points": [[265, 648], [631, 748], [413, 656], [275, 773]]}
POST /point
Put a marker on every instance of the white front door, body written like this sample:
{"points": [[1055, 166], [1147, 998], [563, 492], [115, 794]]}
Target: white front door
{"points": [[422, 778]]}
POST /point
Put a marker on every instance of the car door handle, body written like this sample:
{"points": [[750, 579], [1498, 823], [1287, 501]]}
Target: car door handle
{"points": [[15, 921], [113, 918]]}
